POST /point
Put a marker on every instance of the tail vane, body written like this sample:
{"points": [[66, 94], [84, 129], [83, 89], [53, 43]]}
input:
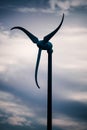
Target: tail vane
{"points": [[49, 36], [33, 38]]}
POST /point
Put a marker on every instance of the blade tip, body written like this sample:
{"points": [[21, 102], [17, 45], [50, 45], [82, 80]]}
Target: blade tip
{"points": [[13, 28]]}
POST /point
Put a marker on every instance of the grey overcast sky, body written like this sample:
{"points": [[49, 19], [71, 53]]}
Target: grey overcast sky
{"points": [[22, 104]]}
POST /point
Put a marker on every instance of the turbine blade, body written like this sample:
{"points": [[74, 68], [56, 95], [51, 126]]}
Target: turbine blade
{"points": [[30, 35], [37, 65], [49, 36]]}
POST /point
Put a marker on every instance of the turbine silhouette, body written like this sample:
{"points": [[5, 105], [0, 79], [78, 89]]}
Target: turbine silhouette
{"points": [[42, 44]]}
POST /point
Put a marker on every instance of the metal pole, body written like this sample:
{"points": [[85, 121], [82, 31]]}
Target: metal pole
{"points": [[49, 92]]}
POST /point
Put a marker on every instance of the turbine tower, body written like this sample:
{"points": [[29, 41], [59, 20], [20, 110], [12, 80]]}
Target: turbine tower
{"points": [[44, 45]]}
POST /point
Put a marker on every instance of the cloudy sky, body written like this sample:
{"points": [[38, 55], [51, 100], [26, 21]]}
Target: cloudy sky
{"points": [[22, 104]]}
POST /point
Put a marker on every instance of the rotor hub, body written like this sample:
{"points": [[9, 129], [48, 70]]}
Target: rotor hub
{"points": [[45, 46]]}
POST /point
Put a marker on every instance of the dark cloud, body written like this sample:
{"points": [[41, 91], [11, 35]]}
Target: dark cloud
{"points": [[50, 6], [28, 3], [11, 127], [11, 8], [74, 109]]}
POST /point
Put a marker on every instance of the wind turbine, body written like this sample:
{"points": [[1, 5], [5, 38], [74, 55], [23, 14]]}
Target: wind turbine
{"points": [[44, 45]]}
